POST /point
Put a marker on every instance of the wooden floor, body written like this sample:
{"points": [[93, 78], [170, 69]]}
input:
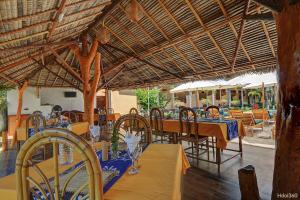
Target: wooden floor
{"points": [[204, 182]]}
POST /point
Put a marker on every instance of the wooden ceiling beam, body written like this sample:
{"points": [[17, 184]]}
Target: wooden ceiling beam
{"points": [[46, 32], [144, 61], [9, 79], [260, 16], [172, 17], [106, 11], [128, 46], [273, 5], [27, 59], [33, 45], [65, 65], [39, 14], [231, 25], [264, 26], [103, 85], [197, 16], [68, 54], [239, 39], [55, 20], [55, 74], [164, 34]]}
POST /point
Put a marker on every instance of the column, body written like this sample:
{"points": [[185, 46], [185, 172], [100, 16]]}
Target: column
{"points": [[190, 98], [172, 100], [213, 97], [228, 97], [197, 99], [242, 97]]}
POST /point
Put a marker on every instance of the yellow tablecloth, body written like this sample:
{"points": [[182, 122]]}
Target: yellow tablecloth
{"points": [[79, 128], [162, 167], [218, 130]]}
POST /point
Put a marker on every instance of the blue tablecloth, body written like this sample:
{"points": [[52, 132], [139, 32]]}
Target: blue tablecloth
{"points": [[232, 126]]}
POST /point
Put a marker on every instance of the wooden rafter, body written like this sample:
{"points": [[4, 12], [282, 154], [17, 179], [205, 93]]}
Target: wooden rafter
{"points": [[55, 20], [264, 26], [142, 28], [260, 16], [273, 5], [60, 69], [39, 14], [135, 38], [231, 25], [144, 61], [183, 38], [54, 73], [239, 40], [9, 79], [66, 66], [30, 46], [107, 10], [171, 16], [88, 18], [103, 85], [197, 16], [27, 59]]}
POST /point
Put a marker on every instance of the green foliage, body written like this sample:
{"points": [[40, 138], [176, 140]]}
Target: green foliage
{"points": [[156, 99], [235, 102], [256, 94], [3, 93]]}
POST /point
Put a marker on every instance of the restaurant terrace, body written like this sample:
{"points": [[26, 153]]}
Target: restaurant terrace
{"points": [[72, 127]]}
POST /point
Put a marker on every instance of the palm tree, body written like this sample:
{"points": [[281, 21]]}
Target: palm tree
{"points": [[256, 94]]}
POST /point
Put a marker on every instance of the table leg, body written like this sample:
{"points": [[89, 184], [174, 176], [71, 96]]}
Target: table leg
{"points": [[218, 157], [240, 146]]}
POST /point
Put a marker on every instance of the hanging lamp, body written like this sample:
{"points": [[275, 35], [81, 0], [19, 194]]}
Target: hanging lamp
{"points": [[134, 11]]}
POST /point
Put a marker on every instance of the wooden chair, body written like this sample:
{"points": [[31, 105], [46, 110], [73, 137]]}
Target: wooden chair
{"points": [[236, 114], [124, 124], [156, 123], [133, 111], [35, 123], [72, 116], [28, 185], [249, 122], [189, 133], [212, 112], [261, 114]]}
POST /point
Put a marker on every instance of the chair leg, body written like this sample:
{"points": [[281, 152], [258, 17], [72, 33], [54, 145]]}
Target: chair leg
{"points": [[197, 153], [193, 152], [207, 148]]}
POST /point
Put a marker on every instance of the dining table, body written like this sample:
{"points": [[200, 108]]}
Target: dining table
{"points": [[223, 130], [161, 168]]}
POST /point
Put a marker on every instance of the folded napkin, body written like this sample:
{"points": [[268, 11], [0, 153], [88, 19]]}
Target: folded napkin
{"points": [[132, 141], [95, 131]]}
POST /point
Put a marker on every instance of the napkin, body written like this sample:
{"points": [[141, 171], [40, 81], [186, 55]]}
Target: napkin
{"points": [[132, 141], [95, 131]]}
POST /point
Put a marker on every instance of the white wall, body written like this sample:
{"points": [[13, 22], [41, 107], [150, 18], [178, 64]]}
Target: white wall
{"points": [[55, 96], [48, 98], [122, 101]]}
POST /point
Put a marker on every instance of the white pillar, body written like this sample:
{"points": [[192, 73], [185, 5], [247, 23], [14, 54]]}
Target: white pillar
{"points": [[213, 97], [172, 100], [242, 97], [109, 98], [190, 98], [229, 97]]}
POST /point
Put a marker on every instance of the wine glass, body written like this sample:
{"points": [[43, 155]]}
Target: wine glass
{"points": [[133, 152]]}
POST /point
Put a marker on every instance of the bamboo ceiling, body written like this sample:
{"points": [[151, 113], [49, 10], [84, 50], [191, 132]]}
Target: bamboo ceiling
{"points": [[175, 41]]}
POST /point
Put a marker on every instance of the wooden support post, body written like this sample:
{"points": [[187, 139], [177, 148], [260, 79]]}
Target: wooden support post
{"points": [[286, 179], [90, 85], [21, 91], [248, 183], [4, 140], [197, 99]]}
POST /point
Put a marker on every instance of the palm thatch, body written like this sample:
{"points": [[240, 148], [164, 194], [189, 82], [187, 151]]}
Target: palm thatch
{"points": [[175, 41]]}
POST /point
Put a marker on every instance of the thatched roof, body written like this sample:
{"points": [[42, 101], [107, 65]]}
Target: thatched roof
{"points": [[175, 41]]}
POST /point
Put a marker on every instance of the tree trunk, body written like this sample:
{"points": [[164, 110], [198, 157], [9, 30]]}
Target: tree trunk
{"points": [[21, 91], [86, 59], [286, 179]]}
